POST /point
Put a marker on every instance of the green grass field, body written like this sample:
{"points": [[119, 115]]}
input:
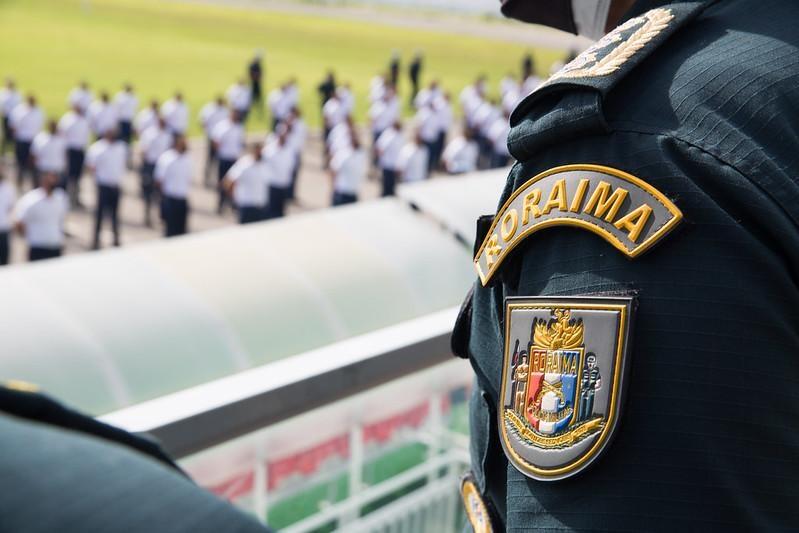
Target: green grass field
{"points": [[48, 45]]}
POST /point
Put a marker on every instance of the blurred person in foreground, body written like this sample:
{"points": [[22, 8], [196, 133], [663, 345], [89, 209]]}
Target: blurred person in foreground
{"points": [[153, 142], [106, 160], [173, 173], [8, 197], [39, 217], [26, 121], [247, 182], [74, 128], [637, 287], [9, 98]]}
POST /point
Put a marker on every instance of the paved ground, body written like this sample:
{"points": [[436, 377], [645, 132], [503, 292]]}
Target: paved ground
{"points": [[314, 191]]}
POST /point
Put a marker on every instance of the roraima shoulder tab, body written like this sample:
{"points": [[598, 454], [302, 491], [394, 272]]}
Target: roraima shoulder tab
{"points": [[610, 59]]}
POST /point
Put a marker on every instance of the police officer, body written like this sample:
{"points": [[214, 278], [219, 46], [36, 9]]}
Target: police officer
{"points": [[247, 182], [74, 128], [173, 173], [39, 216], [660, 168], [106, 160], [49, 152]]}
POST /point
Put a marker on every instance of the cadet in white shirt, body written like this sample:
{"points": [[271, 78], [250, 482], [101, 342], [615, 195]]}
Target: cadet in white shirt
{"points": [[427, 96], [349, 168], [173, 174], [212, 114], [280, 157], [9, 98], [280, 104], [39, 217], [74, 128], [26, 121], [102, 115], [153, 142], [388, 147], [461, 154], [443, 111], [470, 98], [106, 160], [176, 114], [427, 125], [346, 98], [498, 135], [248, 183], [297, 132], [412, 161], [384, 112], [146, 117], [81, 96], [126, 105], [49, 151], [228, 138], [239, 98], [333, 113], [7, 199]]}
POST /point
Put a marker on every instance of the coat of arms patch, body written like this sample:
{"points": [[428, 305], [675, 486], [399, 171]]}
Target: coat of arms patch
{"points": [[563, 381]]}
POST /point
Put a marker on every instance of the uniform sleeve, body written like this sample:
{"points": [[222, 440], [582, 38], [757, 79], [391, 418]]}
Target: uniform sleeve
{"points": [[706, 423]]}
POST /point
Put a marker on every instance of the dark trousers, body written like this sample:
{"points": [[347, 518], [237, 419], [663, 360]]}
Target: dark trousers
{"points": [[75, 160], [4, 247], [294, 173], [210, 162], [22, 151], [37, 253], [277, 202], [251, 213], [431, 152], [343, 198], [107, 206], [224, 166], [8, 136], [176, 214], [438, 149], [389, 181], [125, 131], [146, 172]]}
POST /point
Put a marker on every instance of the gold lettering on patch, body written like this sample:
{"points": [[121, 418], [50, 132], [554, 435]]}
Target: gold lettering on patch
{"points": [[492, 250], [582, 187], [634, 221], [530, 206], [509, 224], [557, 198], [603, 201]]}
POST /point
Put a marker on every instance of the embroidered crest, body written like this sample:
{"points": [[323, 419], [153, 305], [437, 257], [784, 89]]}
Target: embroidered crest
{"points": [[624, 210], [609, 53], [563, 378], [475, 506]]}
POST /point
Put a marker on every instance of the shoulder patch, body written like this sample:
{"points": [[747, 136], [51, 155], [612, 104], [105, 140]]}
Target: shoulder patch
{"points": [[563, 378], [475, 506], [624, 210]]}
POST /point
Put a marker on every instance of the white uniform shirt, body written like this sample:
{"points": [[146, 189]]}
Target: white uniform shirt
{"points": [[333, 112], [384, 113], [173, 171], [102, 117], [508, 83], [9, 99], [7, 198], [426, 97], [50, 152], [443, 111], [43, 217], [377, 88], [292, 94], [144, 119], [412, 162], [427, 122], [281, 162], [280, 103], [251, 179], [126, 104], [389, 145], [511, 100], [74, 127], [485, 116], [153, 142], [340, 138], [498, 134], [80, 97], [460, 156], [108, 161], [349, 170], [346, 98], [26, 121], [212, 114], [176, 115], [238, 97], [229, 136], [297, 134]]}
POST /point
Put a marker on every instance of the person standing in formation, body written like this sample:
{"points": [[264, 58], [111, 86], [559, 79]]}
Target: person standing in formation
{"points": [[383, 113], [470, 99], [388, 148], [49, 152], [256, 73], [461, 154], [326, 90], [39, 217], [280, 156], [9, 99], [345, 96], [296, 141], [211, 114], [74, 128], [7, 199], [497, 134], [239, 99], [102, 115], [333, 113], [176, 113], [106, 160], [349, 168], [377, 88], [81, 96], [427, 126], [173, 173], [442, 108], [228, 139], [26, 121], [415, 74], [280, 103], [412, 161], [394, 68], [427, 96], [146, 117], [247, 182], [153, 142], [126, 105]]}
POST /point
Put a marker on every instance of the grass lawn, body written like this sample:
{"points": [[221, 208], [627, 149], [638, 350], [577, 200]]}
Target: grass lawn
{"points": [[48, 45]]}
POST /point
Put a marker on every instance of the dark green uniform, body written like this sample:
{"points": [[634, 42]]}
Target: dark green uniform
{"points": [[62, 471], [704, 107]]}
